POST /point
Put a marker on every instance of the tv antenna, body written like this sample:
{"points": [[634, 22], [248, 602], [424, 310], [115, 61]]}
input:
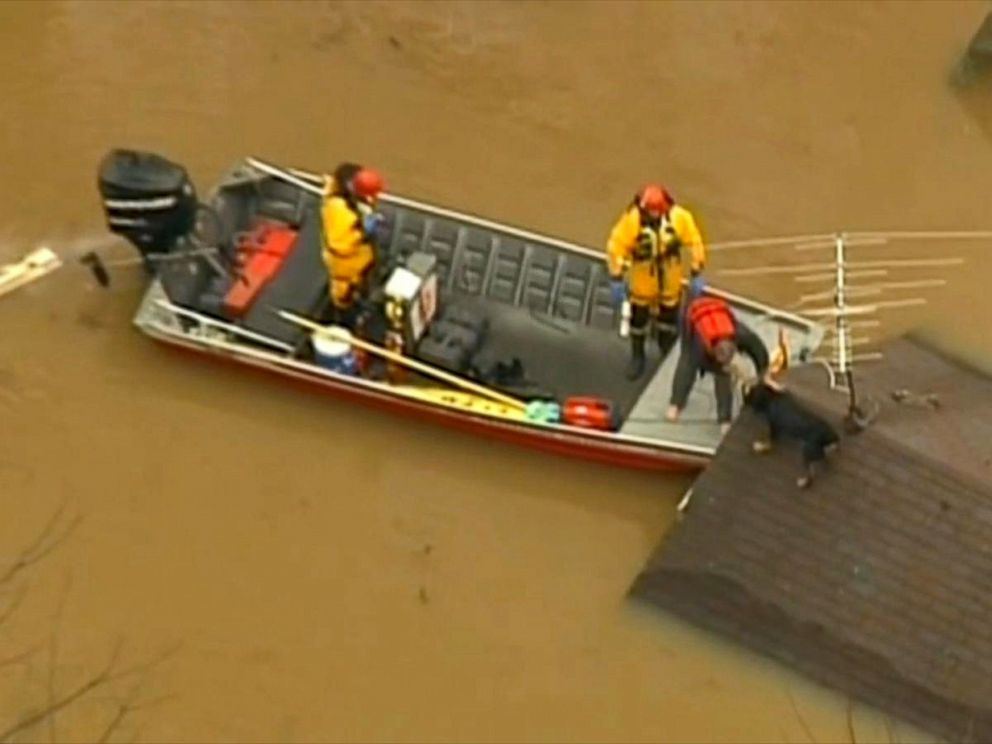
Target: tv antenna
{"points": [[848, 308]]}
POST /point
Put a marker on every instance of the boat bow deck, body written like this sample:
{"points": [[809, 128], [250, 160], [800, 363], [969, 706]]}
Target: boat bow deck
{"points": [[698, 424]]}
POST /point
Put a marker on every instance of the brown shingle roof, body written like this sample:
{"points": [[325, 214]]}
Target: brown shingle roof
{"points": [[876, 581]]}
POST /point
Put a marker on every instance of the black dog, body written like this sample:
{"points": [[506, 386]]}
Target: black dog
{"points": [[786, 417]]}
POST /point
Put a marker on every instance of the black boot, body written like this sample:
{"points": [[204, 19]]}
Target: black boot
{"points": [[666, 340], [635, 368]]}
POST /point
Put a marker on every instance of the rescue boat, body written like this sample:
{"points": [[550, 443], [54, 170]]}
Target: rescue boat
{"points": [[505, 333]]}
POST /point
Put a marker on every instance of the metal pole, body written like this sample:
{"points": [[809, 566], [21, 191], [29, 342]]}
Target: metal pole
{"points": [[840, 304], [843, 330], [285, 176]]}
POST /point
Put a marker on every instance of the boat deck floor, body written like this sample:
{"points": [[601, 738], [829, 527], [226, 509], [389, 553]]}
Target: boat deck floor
{"points": [[697, 425], [875, 580], [561, 357]]}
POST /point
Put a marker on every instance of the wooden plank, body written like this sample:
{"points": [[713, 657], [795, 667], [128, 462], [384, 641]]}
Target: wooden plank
{"points": [[33, 266]]}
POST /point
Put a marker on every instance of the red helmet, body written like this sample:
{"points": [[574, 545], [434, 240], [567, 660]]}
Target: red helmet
{"points": [[654, 199], [367, 183]]}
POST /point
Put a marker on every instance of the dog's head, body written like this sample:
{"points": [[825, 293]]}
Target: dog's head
{"points": [[757, 394]]}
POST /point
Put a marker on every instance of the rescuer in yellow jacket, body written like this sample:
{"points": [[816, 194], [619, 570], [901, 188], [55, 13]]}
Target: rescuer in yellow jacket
{"points": [[349, 226], [647, 243]]}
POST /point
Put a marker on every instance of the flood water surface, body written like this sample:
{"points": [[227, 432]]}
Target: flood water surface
{"points": [[263, 565]]}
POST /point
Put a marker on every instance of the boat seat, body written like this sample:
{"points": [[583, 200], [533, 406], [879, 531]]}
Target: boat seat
{"points": [[288, 212], [264, 250], [299, 286], [280, 201]]}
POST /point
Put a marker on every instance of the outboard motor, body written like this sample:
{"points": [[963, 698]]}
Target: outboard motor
{"points": [[147, 199]]}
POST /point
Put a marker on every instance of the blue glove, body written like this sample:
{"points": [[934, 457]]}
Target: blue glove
{"points": [[618, 291], [696, 286], [371, 222]]}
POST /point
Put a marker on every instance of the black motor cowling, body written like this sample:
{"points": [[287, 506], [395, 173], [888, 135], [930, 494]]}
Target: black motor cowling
{"points": [[147, 199]]}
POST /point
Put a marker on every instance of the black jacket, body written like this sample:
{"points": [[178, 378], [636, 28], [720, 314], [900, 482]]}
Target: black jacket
{"points": [[694, 361]]}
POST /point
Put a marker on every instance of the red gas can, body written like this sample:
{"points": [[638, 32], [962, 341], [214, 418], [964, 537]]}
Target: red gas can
{"points": [[590, 413]]}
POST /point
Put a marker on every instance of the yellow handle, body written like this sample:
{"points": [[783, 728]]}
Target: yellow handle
{"points": [[402, 360]]}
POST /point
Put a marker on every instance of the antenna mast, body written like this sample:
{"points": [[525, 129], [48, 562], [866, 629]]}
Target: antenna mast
{"points": [[844, 348], [845, 302]]}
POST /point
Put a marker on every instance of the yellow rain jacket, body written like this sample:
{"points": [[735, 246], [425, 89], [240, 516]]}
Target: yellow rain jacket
{"points": [[653, 256], [348, 254]]}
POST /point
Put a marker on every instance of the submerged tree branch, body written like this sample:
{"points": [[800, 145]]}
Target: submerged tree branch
{"points": [[101, 680], [125, 708], [850, 722], [12, 606], [888, 730], [100, 685], [104, 676], [48, 540], [802, 721], [53, 656], [18, 658], [130, 702]]}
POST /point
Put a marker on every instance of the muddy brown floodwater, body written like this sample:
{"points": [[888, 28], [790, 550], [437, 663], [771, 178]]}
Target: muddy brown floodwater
{"points": [[305, 570]]}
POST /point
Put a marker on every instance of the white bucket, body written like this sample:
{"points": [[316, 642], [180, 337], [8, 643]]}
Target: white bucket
{"points": [[332, 353]]}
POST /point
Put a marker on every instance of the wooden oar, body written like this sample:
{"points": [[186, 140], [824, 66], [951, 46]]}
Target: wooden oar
{"points": [[402, 360]]}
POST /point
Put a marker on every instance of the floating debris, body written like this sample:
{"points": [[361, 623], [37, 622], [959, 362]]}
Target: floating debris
{"points": [[923, 400], [32, 267]]}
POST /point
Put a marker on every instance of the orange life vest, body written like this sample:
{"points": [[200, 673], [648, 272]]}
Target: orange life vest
{"points": [[712, 321]]}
